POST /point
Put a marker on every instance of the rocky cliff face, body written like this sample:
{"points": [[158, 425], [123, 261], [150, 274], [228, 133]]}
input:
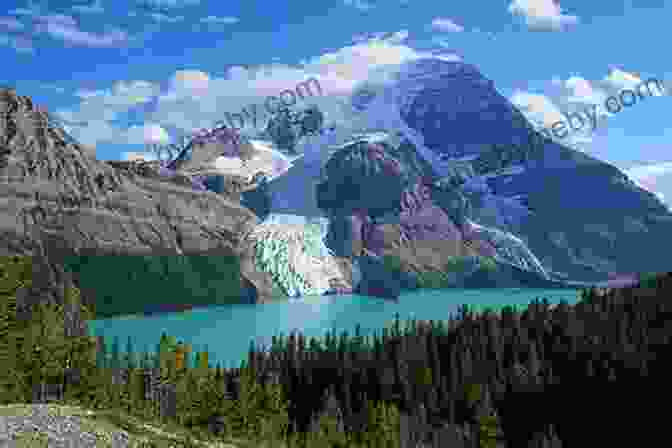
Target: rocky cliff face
{"points": [[56, 197], [583, 218], [389, 206]]}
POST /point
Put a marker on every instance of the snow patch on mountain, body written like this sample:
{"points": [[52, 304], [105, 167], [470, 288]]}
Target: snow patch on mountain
{"points": [[510, 249]]}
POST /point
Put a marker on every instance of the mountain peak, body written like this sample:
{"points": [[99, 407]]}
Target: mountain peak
{"points": [[33, 147], [55, 189]]}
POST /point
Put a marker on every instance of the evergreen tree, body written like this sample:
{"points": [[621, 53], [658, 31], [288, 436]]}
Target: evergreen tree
{"points": [[126, 392], [186, 394], [179, 356], [276, 420], [197, 361], [158, 359], [383, 425], [15, 273], [115, 357], [46, 348], [247, 410], [129, 360], [328, 428], [203, 364], [84, 370], [214, 400]]}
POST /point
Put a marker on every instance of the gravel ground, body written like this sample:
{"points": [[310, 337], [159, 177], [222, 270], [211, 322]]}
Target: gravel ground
{"points": [[54, 426], [41, 425]]}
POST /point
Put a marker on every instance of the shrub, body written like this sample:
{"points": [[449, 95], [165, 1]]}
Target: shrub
{"points": [[488, 264], [393, 263], [433, 280]]}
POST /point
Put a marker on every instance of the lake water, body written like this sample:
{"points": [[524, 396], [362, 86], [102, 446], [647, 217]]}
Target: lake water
{"points": [[227, 330]]}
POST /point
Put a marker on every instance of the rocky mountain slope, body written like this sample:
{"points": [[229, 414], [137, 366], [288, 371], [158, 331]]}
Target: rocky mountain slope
{"points": [[582, 218], [382, 202], [57, 199]]}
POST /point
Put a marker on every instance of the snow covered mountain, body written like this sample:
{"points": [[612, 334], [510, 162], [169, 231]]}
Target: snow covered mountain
{"points": [[583, 218], [529, 202]]}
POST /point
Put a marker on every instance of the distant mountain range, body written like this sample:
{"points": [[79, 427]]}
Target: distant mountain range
{"points": [[459, 173]]}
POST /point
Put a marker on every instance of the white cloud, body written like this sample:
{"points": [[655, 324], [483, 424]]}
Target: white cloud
{"points": [[65, 28], [11, 24], [56, 19], [579, 91], [619, 80], [148, 133], [361, 5], [339, 71], [90, 120], [195, 99], [94, 132], [579, 95], [160, 17], [538, 108], [94, 8], [648, 171], [187, 84], [542, 15], [123, 94], [397, 37], [447, 25], [656, 178], [545, 111], [220, 20]]}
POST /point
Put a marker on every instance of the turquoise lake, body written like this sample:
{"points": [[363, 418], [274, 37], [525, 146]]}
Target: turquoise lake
{"points": [[228, 330]]}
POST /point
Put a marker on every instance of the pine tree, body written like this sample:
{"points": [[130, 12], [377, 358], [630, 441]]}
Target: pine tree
{"points": [[96, 388], [197, 361], [247, 409], [158, 360], [83, 368], [383, 425], [179, 356], [188, 350], [130, 354], [276, 420], [184, 399], [203, 361], [328, 428], [46, 349], [115, 360], [126, 392], [214, 400], [15, 273]]}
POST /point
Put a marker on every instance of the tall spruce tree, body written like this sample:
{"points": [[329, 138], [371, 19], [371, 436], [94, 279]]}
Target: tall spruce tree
{"points": [[15, 274], [46, 348]]}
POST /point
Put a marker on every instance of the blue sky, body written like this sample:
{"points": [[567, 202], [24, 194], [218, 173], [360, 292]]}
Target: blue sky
{"points": [[124, 73]]}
